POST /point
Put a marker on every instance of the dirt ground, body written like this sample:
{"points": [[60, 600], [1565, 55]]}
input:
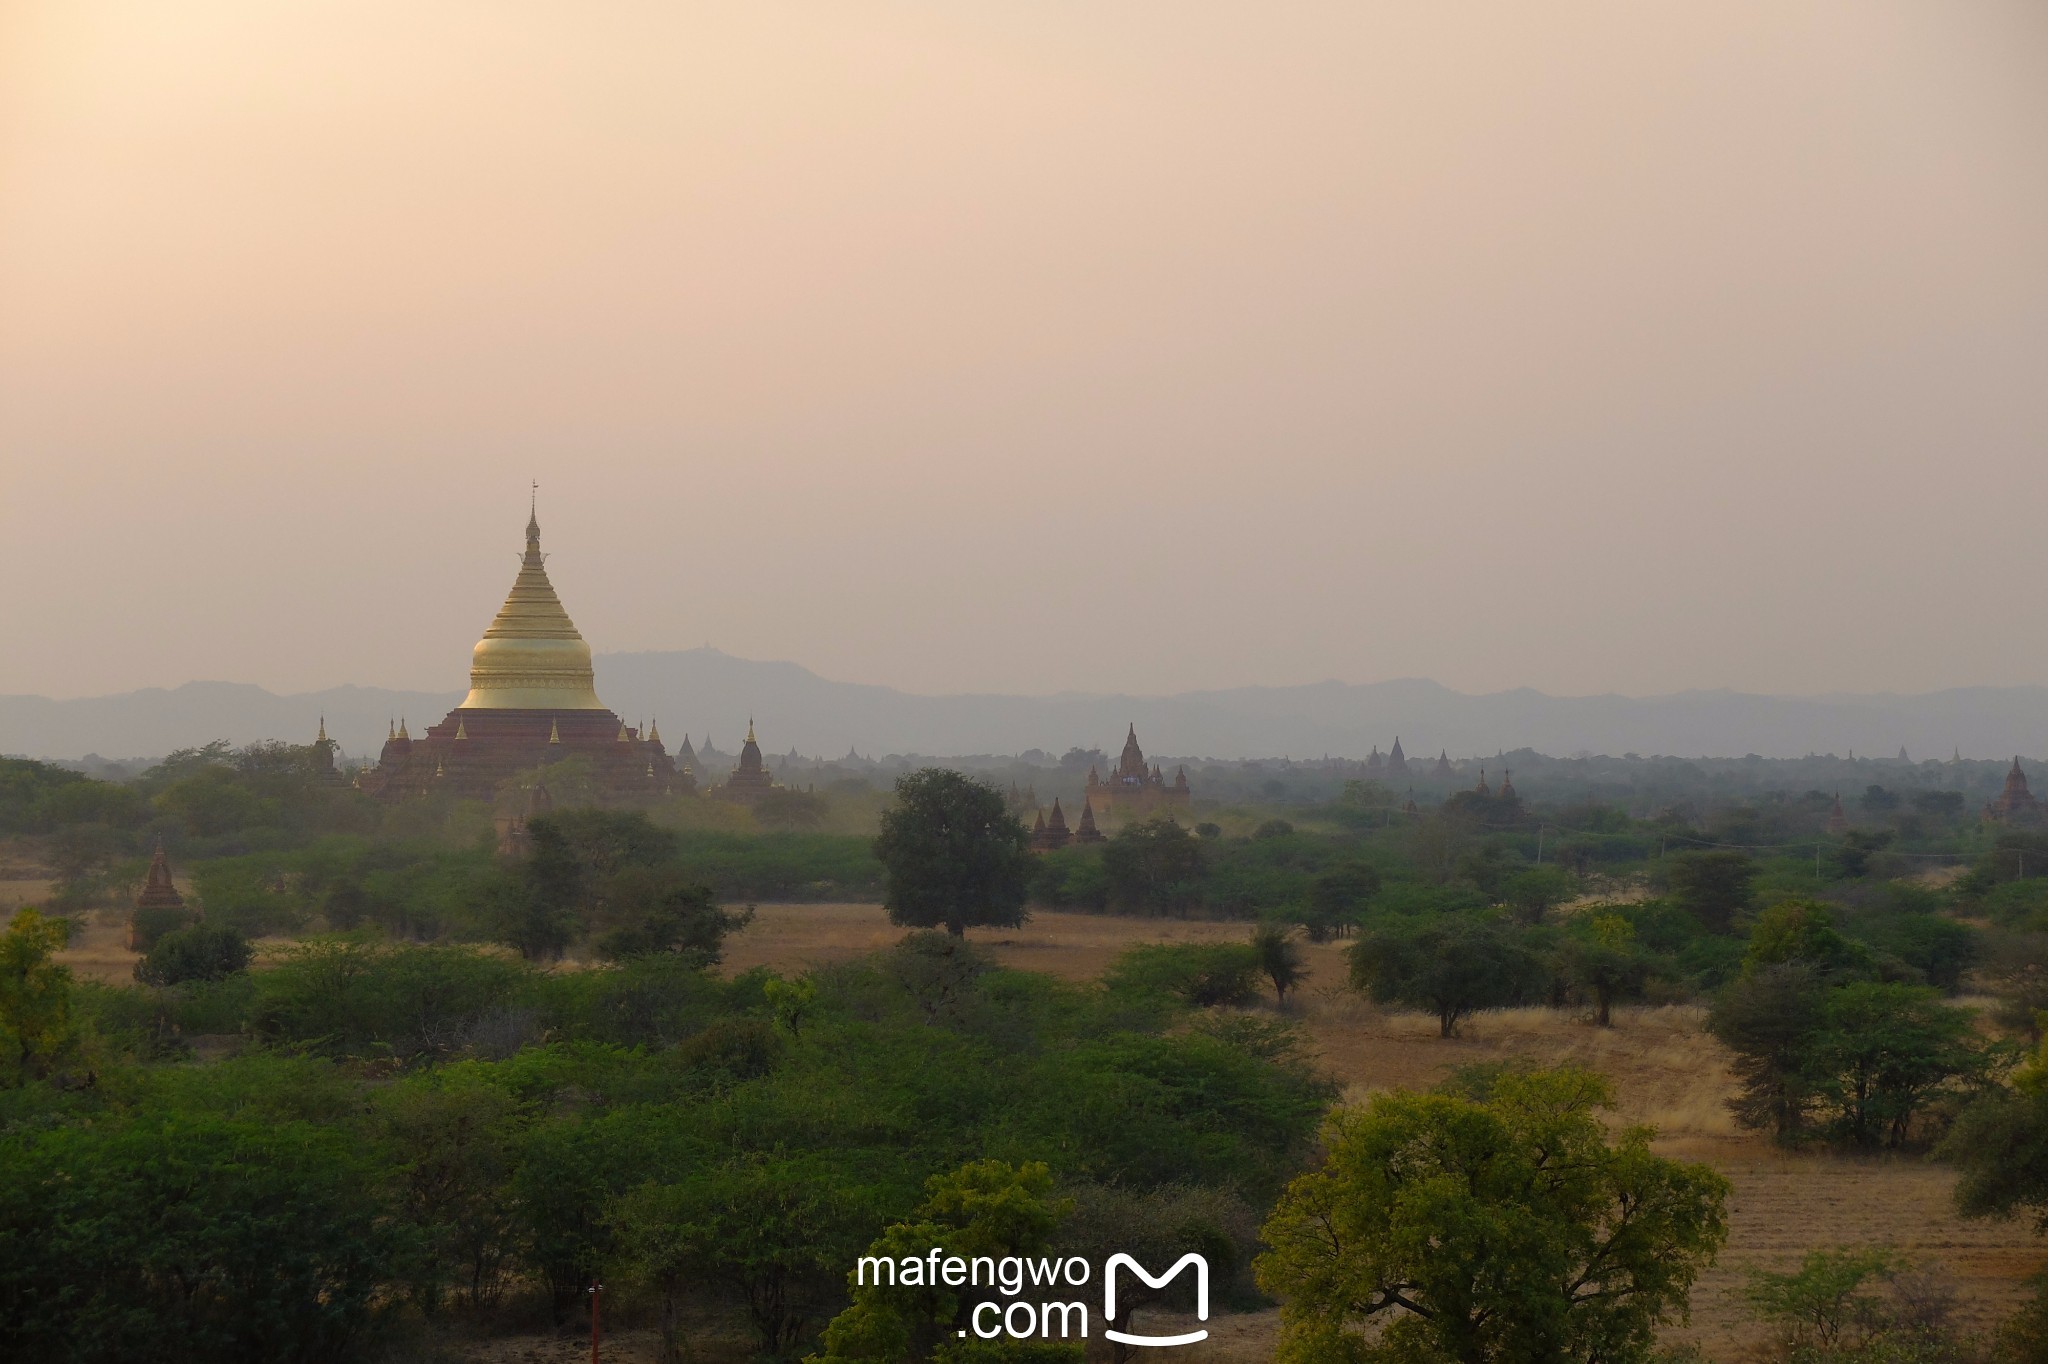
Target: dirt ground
{"points": [[22, 886], [99, 949], [1666, 1073]]}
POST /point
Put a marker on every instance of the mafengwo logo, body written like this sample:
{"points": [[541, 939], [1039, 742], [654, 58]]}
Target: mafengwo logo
{"points": [[1039, 1315]]}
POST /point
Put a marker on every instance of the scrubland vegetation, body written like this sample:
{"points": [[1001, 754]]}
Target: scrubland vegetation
{"points": [[393, 1096]]}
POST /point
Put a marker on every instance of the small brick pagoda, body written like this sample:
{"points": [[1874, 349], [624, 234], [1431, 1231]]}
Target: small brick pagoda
{"points": [[1134, 790], [2015, 804], [159, 909], [532, 702], [750, 779]]}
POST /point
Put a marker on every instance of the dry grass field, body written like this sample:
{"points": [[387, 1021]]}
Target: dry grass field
{"points": [[22, 886], [1666, 1073], [1665, 1070]]}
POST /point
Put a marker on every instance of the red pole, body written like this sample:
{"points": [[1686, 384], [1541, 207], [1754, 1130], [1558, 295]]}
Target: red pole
{"points": [[596, 1296]]}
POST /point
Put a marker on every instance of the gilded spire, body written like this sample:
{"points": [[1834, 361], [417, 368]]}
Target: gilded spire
{"points": [[750, 735], [554, 732], [654, 731], [531, 657], [461, 729], [401, 730], [323, 731]]}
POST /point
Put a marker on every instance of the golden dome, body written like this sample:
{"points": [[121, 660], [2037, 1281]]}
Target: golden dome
{"points": [[531, 658]]}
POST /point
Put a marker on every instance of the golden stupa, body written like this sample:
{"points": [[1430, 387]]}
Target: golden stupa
{"points": [[532, 703], [531, 658]]}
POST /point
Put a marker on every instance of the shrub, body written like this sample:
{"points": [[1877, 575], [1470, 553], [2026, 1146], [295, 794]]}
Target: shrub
{"points": [[356, 998], [148, 927], [1199, 975], [200, 1241], [202, 952]]}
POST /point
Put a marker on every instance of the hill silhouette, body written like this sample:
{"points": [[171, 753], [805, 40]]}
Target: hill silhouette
{"points": [[700, 691]]}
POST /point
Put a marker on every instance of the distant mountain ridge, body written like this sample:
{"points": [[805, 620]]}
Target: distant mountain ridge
{"points": [[697, 691]]}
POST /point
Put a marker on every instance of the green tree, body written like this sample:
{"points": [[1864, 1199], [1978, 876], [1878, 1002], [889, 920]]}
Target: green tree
{"points": [[526, 917], [1452, 965], [776, 1233], [1473, 1232], [1338, 898], [355, 998], [451, 1136], [36, 1031], [792, 1001], [1824, 1305], [1939, 948], [1712, 886], [661, 910], [1279, 959], [215, 800], [1603, 961], [194, 1240], [939, 971], [587, 867], [576, 850], [954, 855], [1154, 867], [1532, 894], [202, 952], [1884, 1052], [1803, 932], [1156, 1227], [80, 855], [2000, 1145], [1858, 847], [1769, 1017], [987, 1208]]}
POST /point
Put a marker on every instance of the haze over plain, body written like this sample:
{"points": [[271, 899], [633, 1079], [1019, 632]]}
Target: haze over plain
{"points": [[1148, 348]]}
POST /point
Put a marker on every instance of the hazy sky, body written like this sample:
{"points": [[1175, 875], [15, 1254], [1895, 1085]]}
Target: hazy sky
{"points": [[1030, 346]]}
